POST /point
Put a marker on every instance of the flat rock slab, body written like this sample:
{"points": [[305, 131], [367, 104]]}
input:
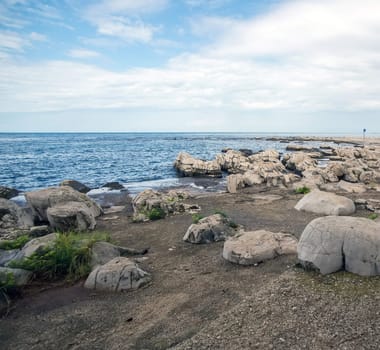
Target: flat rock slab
{"points": [[326, 203], [253, 247], [118, 275], [332, 243]]}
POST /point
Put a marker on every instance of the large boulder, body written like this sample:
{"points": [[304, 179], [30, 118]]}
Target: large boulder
{"points": [[7, 192], [151, 205], [249, 248], [118, 275], [325, 203], [333, 243], [71, 216], [41, 200], [76, 185], [187, 165], [209, 229]]}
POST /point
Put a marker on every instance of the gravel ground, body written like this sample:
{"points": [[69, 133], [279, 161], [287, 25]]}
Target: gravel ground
{"points": [[196, 300]]}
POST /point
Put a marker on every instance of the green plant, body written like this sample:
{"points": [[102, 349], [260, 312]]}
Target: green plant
{"points": [[17, 243], [156, 214], [303, 190], [196, 218], [373, 216], [68, 258], [217, 211], [7, 286], [233, 225]]}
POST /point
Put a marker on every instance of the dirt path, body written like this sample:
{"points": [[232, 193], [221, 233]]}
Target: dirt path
{"points": [[195, 296]]}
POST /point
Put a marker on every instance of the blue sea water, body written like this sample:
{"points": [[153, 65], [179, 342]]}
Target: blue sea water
{"points": [[137, 160]]}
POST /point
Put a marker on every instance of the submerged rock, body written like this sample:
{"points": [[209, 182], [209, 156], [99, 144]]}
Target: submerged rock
{"points": [[114, 186], [76, 185], [118, 275], [331, 243], [8, 193], [325, 203], [253, 247]]}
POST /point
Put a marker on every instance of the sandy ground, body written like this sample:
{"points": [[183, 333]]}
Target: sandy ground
{"points": [[196, 300]]}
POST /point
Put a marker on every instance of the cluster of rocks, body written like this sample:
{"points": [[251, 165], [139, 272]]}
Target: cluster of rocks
{"points": [[62, 208], [111, 269], [328, 244], [353, 165], [240, 247], [150, 204]]}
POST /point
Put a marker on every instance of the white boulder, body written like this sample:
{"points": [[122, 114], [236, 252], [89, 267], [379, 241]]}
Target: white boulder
{"points": [[333, 243], [254, 247], [325, 203]]}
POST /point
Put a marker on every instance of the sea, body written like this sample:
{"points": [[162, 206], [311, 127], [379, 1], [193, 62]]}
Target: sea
{"points": [[30, 161]]}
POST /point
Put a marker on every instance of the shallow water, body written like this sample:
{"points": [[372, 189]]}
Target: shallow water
{"points": [[137, 160]]}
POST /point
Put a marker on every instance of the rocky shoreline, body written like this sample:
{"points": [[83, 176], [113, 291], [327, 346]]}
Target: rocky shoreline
{"points": [[191, 261]]}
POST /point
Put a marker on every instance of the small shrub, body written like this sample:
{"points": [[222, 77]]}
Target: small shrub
{"points": [[17, 243], [373, 216], [196, 218], [68, 258], [303, 190], [7, 286], [156, 214], [221, 213], [233, 225]]}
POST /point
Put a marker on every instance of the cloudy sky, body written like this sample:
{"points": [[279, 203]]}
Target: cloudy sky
{"points": [[190, 65]]}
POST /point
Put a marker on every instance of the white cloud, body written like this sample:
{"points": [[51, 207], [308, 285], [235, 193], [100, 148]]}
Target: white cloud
{"points": [[126, 29], [83, 53], [12, 41], [127, 7], [122, 18], [37, 36], [207, 3], [304, 57]]}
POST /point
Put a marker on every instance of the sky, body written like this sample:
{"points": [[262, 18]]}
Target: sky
{"points": [[190, 65]]}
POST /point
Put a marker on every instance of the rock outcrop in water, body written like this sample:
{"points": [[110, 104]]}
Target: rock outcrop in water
{"points": [[296, 169], [187, 165]]}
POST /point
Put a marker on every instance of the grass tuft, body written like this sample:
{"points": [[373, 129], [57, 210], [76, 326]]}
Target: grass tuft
{"points": [[373, 216], [17, 243], [196, 218], [69, 257], [156, 214], [302, 190]]}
